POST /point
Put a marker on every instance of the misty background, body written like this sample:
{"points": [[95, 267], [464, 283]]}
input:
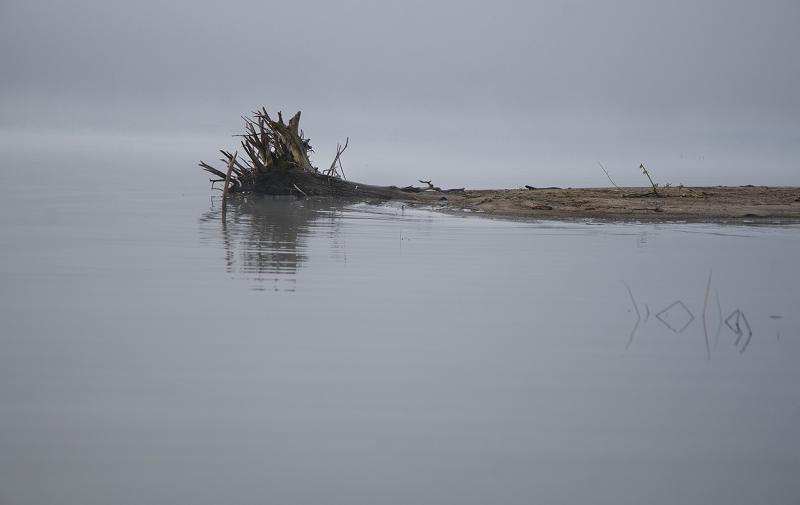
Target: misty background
{"points": [[156, 350], [482, 94]]}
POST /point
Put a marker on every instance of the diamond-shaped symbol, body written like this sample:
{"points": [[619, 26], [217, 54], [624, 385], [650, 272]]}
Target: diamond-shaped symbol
{"points": [[677, 317]]}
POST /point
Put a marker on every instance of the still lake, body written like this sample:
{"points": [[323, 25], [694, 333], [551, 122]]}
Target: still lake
{"points": [[309, 351]]}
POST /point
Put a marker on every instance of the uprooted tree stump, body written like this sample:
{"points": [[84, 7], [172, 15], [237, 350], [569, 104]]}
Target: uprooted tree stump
{"points": [[276, 162]]}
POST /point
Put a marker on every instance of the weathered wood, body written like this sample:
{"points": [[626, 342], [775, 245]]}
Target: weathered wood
{"points": [[228, 178], [334, 170], [279, 165]]}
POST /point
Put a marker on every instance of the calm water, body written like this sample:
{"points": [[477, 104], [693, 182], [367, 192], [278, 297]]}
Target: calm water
{"points": [[313, 352]]}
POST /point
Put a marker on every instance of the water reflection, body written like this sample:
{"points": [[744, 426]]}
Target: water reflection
{"points": [[265, 238]]}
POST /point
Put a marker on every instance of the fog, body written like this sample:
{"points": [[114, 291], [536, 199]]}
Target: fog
{"points": [[159, 347], [475, 93]]}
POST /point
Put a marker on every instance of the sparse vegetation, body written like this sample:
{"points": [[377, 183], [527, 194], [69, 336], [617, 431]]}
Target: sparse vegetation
{"points": [[652, 184]]}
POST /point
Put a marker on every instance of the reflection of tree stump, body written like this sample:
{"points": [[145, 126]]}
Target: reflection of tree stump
{"points": [[264, 237], [276, 162]]}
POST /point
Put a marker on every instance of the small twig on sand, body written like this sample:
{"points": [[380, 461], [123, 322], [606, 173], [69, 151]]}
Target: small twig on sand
{"points": [[609, 177], [653, 184], [534, 187], [430, 187]]}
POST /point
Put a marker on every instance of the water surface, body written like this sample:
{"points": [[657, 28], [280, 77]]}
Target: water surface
{"points": [[322, 352]]}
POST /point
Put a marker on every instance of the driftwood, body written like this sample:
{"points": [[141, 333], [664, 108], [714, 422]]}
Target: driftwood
{"points": [[228, 178], [276, 162]]}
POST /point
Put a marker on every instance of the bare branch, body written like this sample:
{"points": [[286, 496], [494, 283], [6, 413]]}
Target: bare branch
{"points": [[228, 178], [609, 177], [333, 171]]}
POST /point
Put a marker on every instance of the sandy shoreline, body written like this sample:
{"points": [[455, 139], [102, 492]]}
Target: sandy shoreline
{"points": [[718, 203]]}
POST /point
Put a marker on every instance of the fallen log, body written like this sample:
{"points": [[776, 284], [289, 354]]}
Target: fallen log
{"points": [[276, 162]]}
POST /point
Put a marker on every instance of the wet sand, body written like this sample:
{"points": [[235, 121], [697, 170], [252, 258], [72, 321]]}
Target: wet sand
{"points": [[719, 203]]}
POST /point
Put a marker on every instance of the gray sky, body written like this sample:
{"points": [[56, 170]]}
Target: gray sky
{"points": [[592, 78]]}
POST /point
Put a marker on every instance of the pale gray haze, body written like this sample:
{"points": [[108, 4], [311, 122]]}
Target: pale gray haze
{"points": [[159, 348], [468, 93]]}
